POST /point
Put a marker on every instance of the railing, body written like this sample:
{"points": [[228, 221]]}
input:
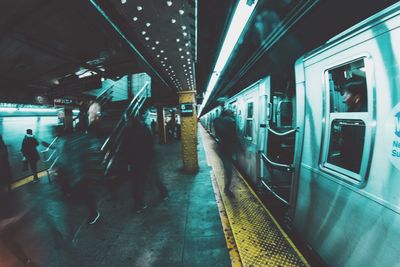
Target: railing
{"points": [[112, 144], [105, 96]]}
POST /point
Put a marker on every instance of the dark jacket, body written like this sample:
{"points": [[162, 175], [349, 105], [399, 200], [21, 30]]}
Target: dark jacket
{"points": [[225, 131], [137, 147], [5, 168], [80, 158], [28, 148]]}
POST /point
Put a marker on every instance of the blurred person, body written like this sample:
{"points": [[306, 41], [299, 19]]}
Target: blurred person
{"points": [[94, 112], [228, 144], [153, 126], [5, 168], [355, 95], [78, 166], [138, 152], [29, 150]]}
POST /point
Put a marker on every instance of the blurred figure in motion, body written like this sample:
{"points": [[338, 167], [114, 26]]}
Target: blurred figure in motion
{"points": [[78, 166], [228, 144], [94, 113], [5, 168], [29, 150], [82, 116], [138, 151], [153, 126], [355, 95]]}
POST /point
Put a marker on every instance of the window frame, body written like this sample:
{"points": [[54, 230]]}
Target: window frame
{"points": [[250, 138], [356, 179]]}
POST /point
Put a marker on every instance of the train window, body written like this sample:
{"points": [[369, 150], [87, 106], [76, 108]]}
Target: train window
{"points": [[249, 121], [346, 144], [348, 88], [348, 131]]}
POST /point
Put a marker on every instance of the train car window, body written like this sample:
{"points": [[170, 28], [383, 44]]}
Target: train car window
{"points": [[346, 144], [347, 135], [285, 114], [249, 121]]}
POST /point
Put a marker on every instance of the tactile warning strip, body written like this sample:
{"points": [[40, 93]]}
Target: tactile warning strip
{"points": [[259, 238]]}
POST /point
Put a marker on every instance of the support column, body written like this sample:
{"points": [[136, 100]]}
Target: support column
{"points": [[189, 131], [162, 135], [68, 120]]}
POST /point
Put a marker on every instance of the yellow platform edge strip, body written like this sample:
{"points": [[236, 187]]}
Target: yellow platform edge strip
{"points": [[274, 220], [286, 237], [229, 238], [26, 180]]}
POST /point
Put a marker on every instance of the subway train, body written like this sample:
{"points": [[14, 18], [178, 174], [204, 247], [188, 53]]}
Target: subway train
{"points": [[327, 143]]}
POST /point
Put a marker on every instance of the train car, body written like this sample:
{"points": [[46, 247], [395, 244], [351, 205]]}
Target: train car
{"points": [[328, 144], [347, 165]]}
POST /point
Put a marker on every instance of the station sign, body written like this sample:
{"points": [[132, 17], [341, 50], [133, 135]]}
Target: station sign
{"points": [[186, 109], [65, 102]]}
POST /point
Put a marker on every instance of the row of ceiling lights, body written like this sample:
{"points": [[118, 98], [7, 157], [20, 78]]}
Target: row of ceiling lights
{"points": [[171, 73]]}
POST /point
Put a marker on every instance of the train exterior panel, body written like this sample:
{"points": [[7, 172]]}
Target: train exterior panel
{"points": [[347, 206]]}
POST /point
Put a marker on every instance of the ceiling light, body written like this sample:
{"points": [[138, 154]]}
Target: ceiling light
{"points": [[123, 1], [147, 38], [178, 40], [165, 58], [183, 27], [169, 3], [134, 18], [143, 32], [182, 56], [139, 8], [157, 42], [158, 55], [161, 51], [180, 49], [153, 48], [187, 53], [184, 33], [173, 21], [148, 24], [238, 23], [187, 44], [181, 11]]}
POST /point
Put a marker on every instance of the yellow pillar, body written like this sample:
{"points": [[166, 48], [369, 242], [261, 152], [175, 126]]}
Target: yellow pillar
{"points": [[187, 104]]}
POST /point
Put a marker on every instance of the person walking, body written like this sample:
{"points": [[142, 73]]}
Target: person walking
{"points": [[138, 152], [5, 168], [78, 166], [228, 144], [29, 150]]}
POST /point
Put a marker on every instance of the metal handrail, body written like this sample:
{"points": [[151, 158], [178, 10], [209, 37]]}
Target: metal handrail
{"points": [[51, 155], [47, 148], [288, 167], [132, 110], [104, 91], [284, 133], [274, 193], [121, 121]]}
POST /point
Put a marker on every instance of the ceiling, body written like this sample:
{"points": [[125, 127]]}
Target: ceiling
{"points": [[45, 45]]}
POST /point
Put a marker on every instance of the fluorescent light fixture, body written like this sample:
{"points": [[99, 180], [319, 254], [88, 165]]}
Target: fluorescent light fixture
{"points": [[240, 18]]}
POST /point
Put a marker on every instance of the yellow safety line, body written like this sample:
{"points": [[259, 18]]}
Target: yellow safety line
{"points": [[257, 202], [229, 238], [274, 220], [26, 180]]}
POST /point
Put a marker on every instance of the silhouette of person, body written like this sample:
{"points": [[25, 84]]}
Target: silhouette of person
{"points": [[353, 132], [153, 126], [5, 168], [355, 95], [28, 148], [228, 144], [138, 151]]}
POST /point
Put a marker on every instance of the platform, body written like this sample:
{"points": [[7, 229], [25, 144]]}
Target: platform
{"points": [[195, 226]]}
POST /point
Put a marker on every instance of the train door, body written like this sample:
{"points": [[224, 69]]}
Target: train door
{"points": [[264, 113], [278, 154]]}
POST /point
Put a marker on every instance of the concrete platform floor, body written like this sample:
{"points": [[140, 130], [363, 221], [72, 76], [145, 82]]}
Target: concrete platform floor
{"points": [[184, 230]]}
